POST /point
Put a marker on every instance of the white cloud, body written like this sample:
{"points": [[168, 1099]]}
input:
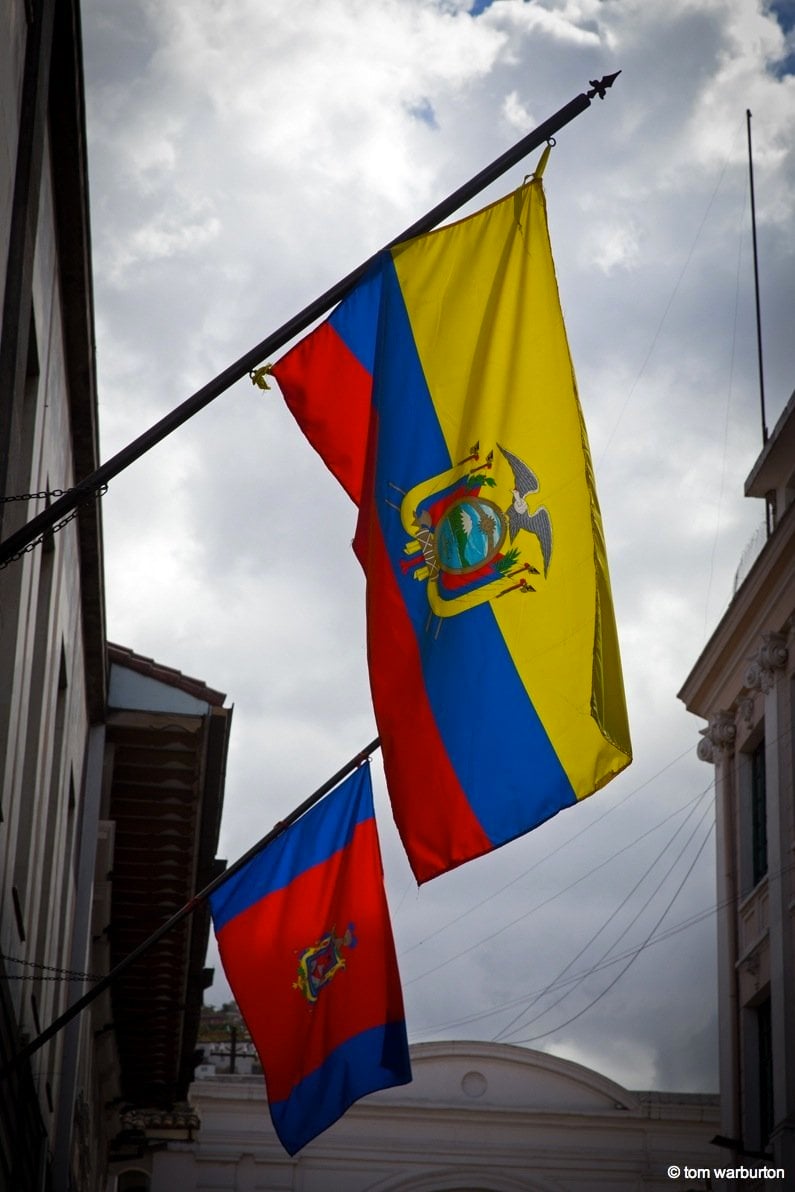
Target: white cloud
{"points": [[632, 1065], [573, 24], [516, 113], [168, 234], [615, 247], [243, 157]]}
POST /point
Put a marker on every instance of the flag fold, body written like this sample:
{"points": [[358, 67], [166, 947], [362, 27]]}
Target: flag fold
{"points": [[305, 940], [441, 394]]}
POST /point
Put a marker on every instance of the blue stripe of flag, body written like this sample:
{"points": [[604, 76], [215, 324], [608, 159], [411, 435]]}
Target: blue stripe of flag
{"points": [[411, 450], [325, 829], [374, 1059]]}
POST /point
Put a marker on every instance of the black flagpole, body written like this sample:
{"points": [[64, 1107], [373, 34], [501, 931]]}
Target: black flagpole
{"points": [[93, 484], [187, 909]]}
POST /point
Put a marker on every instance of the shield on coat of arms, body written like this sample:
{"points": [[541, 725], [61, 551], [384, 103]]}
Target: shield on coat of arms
{"points": [[458, 535]]}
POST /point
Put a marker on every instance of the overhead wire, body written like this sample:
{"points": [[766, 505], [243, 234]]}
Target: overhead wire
{"points": [[786, 732], [630, 961], [551, 898], [516, 1025], [661, 938], [670, 301], [515, 1022], [546, 857]]}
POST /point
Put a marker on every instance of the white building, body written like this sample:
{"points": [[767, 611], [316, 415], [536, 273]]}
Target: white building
{"points": [[482, 1117], [744, 686]]}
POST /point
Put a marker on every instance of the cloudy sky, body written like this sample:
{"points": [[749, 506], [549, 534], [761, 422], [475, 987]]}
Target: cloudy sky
{"points": [[244, 156]]}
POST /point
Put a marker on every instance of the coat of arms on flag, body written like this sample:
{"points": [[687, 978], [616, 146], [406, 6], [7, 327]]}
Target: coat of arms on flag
{"points": [[320, 963], [466, 543]]}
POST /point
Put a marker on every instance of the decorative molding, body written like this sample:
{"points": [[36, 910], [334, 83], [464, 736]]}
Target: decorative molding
{"points": [[718, 738], [705, 750], [750, 962], [474, 1084], [774, 650], [181, 1118], [771, 656]]}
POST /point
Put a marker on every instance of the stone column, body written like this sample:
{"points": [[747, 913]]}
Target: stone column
{"points": [[768, 675], [717, 747]]}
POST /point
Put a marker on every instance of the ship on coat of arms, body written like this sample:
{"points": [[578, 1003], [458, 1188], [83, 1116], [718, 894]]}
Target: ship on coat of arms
{"points": [[465, 543]]}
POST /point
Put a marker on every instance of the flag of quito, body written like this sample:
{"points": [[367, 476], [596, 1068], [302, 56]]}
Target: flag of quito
{"points": [[441, 395], [305, 940]]}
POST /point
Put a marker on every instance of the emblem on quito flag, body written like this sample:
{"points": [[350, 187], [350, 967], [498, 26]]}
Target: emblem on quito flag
{"points": [[469, 547], [320, 963]]}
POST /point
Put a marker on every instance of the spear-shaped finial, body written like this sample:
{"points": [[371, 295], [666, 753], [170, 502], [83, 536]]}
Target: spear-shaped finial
{"points": [[600, 86]]}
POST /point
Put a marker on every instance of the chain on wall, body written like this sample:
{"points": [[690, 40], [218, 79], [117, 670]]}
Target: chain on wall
{"points": [[92, 495]]}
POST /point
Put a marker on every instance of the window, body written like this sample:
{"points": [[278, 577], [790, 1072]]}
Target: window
{"points": [[133, 1181], [757, 1074], [764, 1042]]}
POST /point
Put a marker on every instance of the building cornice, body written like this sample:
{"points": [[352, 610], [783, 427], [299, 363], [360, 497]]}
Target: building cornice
{"points": [[719, 737], [732, 662]]}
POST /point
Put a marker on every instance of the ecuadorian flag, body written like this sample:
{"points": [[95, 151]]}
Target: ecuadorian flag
{"points": [[441, 395]]}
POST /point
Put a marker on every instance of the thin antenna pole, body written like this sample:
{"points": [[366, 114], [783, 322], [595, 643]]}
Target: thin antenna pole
{"points": [[188, 909], [756, 281], [89, 486]]}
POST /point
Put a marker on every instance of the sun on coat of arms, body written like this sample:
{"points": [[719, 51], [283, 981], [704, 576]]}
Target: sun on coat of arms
{"points": [[464, 543]]}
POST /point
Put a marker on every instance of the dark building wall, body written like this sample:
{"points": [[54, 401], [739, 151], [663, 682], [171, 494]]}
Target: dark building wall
{"points": [[51, 600]]}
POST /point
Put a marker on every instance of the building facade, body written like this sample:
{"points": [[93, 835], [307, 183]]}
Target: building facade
{"points": [[476, 1116], [111, 766], [52, 647], [744, 686], [166, 741]]}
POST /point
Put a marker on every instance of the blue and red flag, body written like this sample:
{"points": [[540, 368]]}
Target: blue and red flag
{"points": [[441, 394], [305, 939]]}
